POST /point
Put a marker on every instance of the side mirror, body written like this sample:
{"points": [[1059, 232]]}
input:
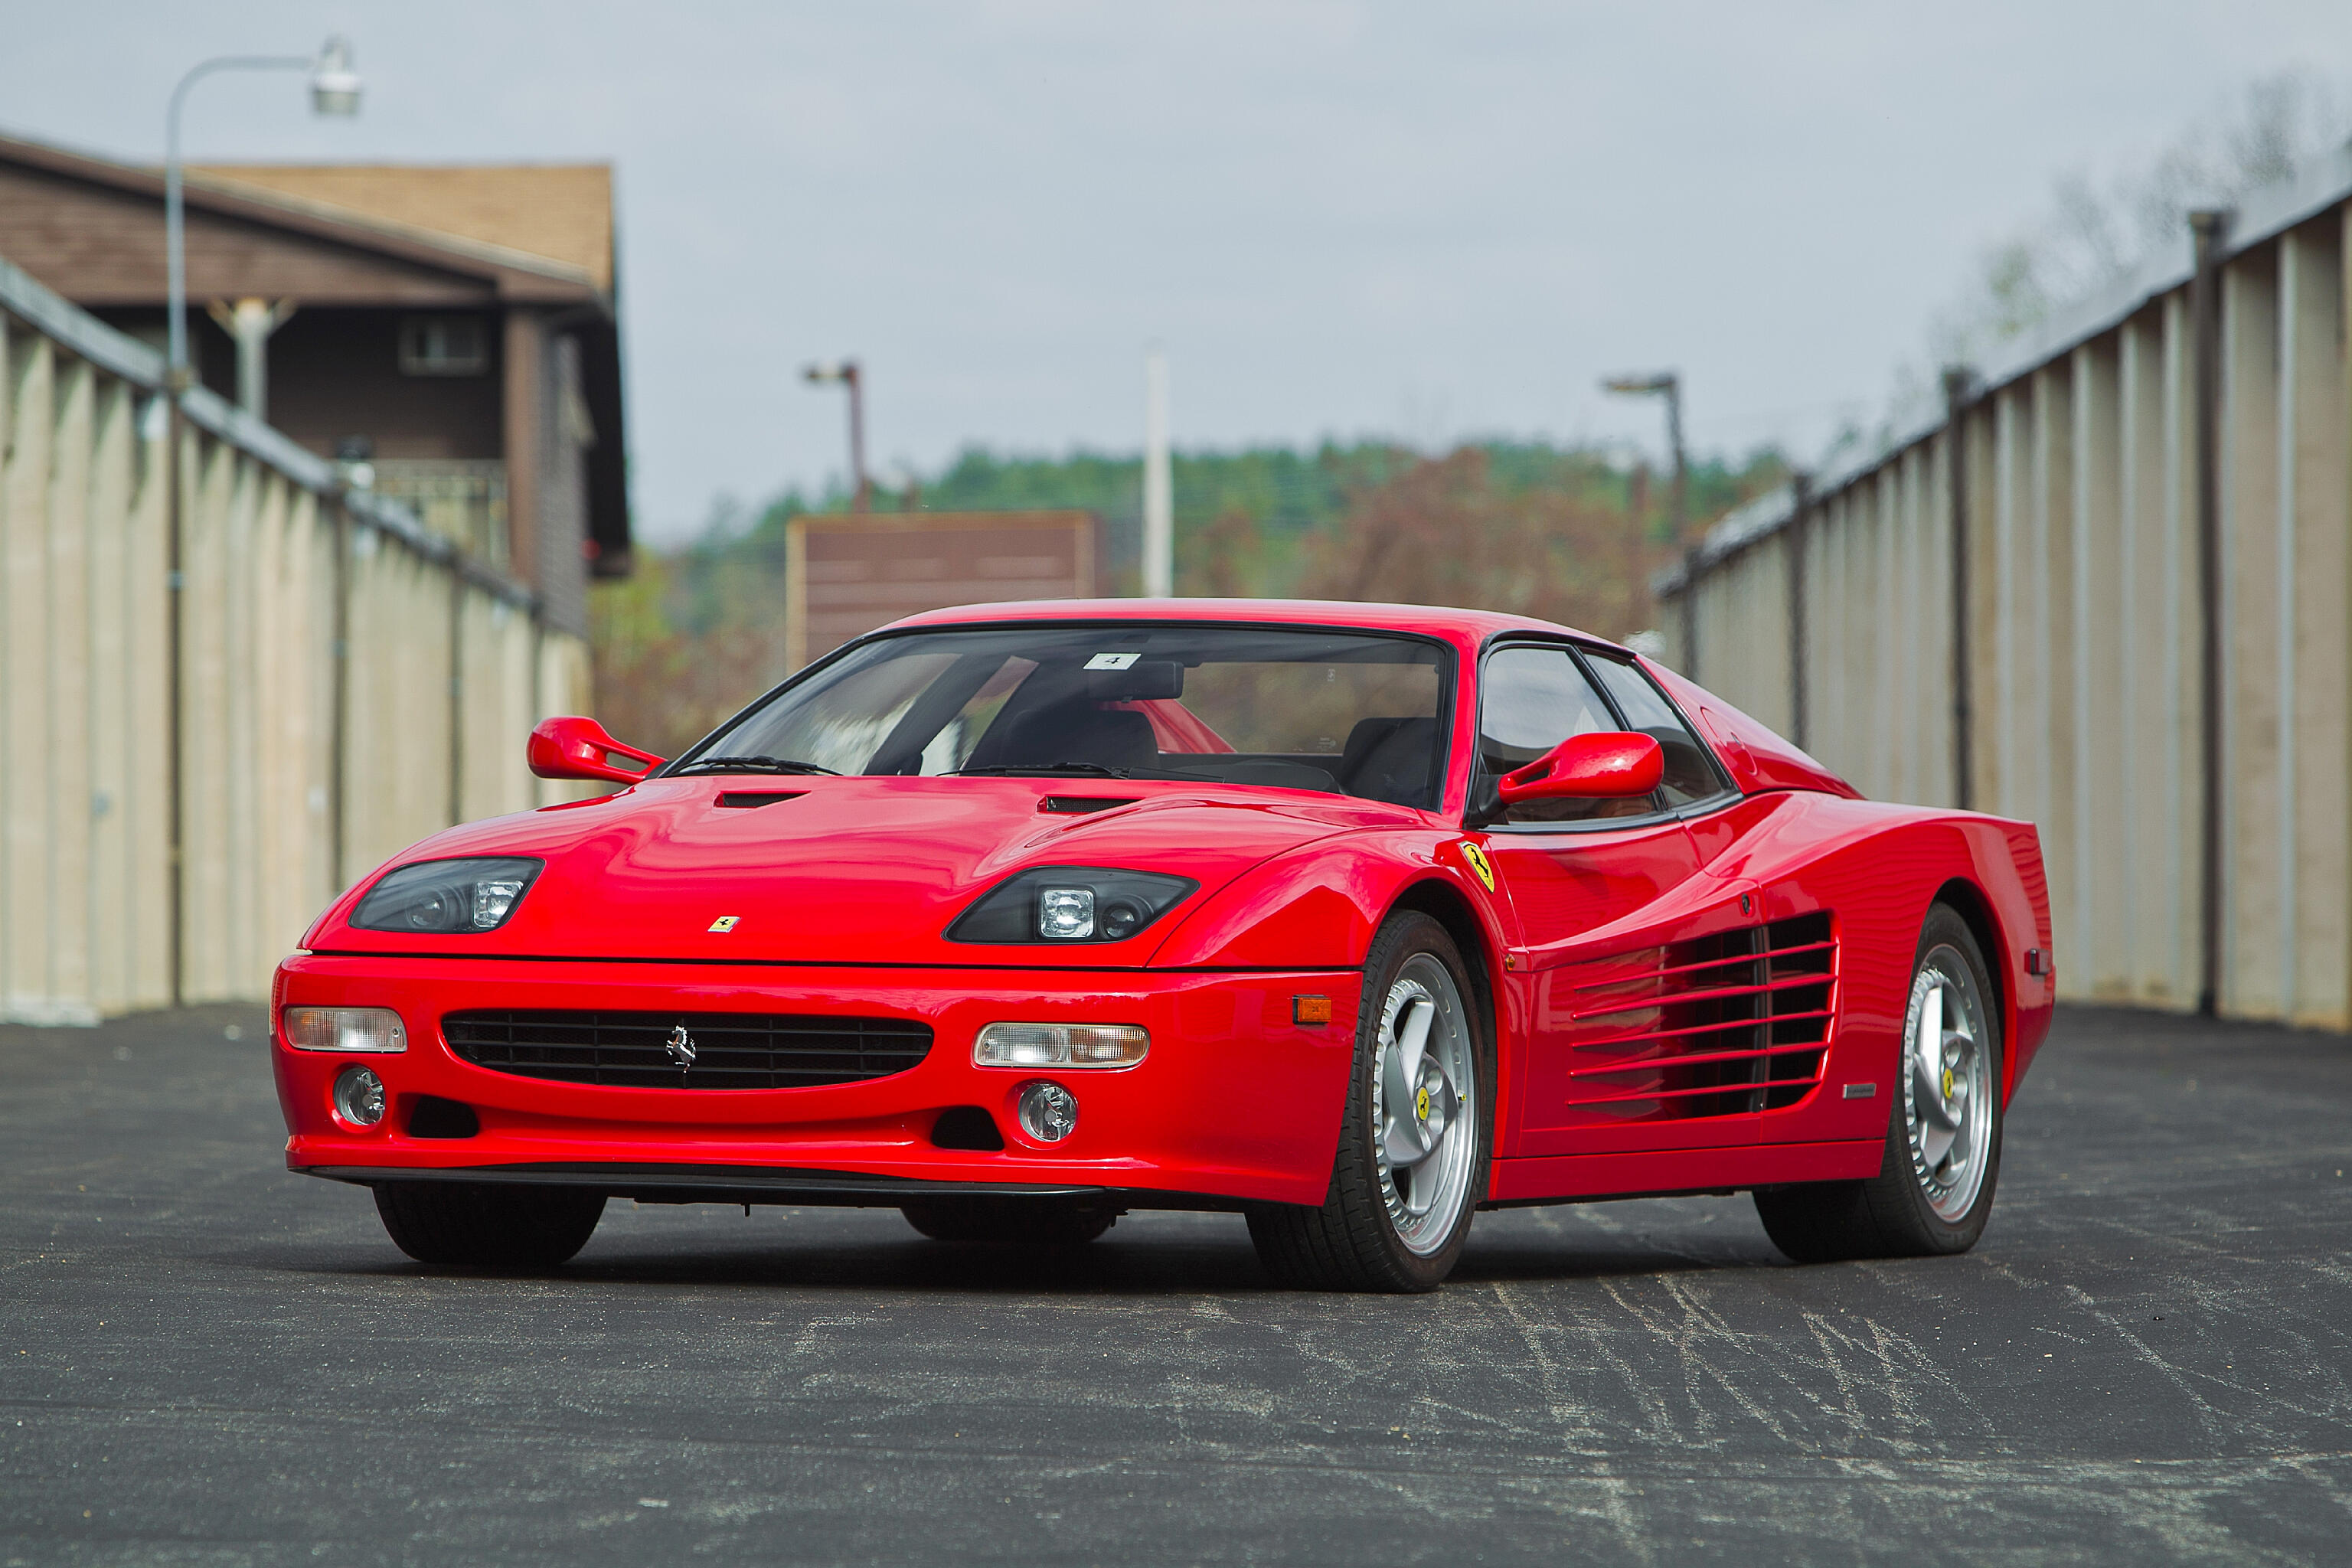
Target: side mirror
{"points": [[571, 748], [1606, 765]]}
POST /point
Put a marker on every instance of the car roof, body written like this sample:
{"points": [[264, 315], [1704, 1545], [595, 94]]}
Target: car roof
{"points": [[1460, 626]]}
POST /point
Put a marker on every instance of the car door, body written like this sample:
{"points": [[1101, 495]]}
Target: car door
{"points": [[1589, 882], [1746, 990]]}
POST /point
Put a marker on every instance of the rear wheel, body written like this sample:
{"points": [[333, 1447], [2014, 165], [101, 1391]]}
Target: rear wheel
{"points": [[1008, 1221], [1935, 1185], [487, 1225], [1415, 1137]]}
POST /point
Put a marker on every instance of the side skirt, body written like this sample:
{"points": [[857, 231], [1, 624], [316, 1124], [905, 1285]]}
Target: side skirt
{"points": [[1571, 1178]]}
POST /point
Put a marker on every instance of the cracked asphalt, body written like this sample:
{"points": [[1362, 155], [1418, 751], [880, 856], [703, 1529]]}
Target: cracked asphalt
{"points": [[205, 1360]]}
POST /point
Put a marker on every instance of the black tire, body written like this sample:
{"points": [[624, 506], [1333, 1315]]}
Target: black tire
{"points": [[487, 1225], [1889, 1214], [1009, 1221], [1351, 1242]]}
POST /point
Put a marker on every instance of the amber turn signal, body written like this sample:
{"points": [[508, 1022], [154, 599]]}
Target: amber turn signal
{"points": [[1310, 1009]]}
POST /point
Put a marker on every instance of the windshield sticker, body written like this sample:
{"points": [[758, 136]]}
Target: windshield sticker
{"points": [[1112, 660]]}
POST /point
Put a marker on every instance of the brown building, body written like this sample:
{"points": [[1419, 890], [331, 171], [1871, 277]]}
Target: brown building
{"points": [[845, 576], [449, 332]]}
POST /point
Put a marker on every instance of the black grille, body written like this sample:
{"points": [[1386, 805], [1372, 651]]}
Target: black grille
{"points": [[732, 1050]]}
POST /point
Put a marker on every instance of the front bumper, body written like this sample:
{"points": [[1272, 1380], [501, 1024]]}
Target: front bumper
{"points": [[1234, 1102]]}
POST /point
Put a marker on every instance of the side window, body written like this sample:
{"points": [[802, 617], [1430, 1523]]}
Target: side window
{"points": [[1530, 700], [1690, 772]]}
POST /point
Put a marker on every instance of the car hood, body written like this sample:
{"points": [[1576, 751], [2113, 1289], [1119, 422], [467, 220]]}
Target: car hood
{"points": [[847, 871]]}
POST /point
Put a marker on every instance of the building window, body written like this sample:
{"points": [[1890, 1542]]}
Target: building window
{"points": [[443, 345]]}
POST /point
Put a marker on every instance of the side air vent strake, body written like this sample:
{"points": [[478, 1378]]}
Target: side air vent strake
{"points": [[1715, 1027]]}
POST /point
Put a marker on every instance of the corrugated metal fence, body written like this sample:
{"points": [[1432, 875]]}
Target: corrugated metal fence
{"points": [[2034, 606], [345, 682]]}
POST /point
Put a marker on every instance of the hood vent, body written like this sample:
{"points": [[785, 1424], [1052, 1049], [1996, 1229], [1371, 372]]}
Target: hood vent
{"points": [[1079, 805], [750, 799], [1716, 1027]]}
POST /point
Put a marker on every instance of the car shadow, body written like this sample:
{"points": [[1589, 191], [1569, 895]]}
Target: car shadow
{"points": [[1197, 1257]]}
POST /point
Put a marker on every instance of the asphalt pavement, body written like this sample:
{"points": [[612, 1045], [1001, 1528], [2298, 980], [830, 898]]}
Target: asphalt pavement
{"points": [[206, 1360]]}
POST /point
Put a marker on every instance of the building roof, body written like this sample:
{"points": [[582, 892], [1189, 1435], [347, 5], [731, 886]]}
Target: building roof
{"points": [[557, 212], [83, 223]]}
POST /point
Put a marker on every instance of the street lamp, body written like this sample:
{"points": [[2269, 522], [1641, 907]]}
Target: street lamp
{"points": [[847, 372], [1666, 384], [334, 89]]}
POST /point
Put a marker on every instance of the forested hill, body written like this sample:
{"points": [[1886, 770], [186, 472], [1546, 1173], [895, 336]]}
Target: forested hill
{"points": [[1281, 489]]}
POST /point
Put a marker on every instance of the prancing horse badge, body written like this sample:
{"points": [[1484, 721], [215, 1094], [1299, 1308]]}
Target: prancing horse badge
{"points": [[680, 1046]]}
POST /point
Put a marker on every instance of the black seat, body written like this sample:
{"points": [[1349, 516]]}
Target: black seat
{"points": [[1079, 732], [1391, 760]]}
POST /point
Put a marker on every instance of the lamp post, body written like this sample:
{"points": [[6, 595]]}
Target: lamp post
{"points": [[334, 89], [1667, 384], [847, 372]]}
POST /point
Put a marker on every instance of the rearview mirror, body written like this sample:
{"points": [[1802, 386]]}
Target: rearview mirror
{"points": [[1607, 764], [576, 748]]}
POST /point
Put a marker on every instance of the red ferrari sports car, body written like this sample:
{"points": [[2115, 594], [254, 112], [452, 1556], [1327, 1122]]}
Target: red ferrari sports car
{"points": [[1354, 919]]}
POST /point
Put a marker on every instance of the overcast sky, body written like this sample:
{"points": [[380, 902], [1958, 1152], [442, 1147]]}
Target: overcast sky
{"points": [[1413, 220]]}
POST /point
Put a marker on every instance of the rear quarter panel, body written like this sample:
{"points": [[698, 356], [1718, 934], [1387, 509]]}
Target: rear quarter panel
{"points": [[1877, 868]]}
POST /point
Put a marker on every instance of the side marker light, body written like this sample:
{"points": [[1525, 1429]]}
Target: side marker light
{"points": [[1310, 1009]]}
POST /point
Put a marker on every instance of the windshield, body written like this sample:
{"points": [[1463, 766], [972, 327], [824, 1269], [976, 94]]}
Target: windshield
{"points": [[1341, 712]]}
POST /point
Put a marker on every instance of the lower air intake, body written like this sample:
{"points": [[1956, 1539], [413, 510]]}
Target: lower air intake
{"points": [[718, 1051]]}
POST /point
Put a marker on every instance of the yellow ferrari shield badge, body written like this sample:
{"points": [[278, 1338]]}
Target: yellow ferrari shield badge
{"points": [[1477, 859]]}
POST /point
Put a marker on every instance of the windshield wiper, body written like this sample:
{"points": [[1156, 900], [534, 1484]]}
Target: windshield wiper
{"points": [[755, 764], [1095, 769], [1090, 770]]}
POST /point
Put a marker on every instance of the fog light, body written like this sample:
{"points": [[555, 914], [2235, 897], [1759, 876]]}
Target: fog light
{"points": [[1049, 1112], [344, 1029], [1060, 1046], [359, 1097]]}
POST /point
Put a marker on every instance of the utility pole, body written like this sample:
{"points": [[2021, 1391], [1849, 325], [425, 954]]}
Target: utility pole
{"points": [[1668, 385], [847, 372], [1159, 483]]}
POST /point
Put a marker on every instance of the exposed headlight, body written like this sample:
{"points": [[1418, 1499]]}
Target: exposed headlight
{"points": [[1072, 904], [1060, 1046], [446, 895], [344, 1029], [1066, 914]]}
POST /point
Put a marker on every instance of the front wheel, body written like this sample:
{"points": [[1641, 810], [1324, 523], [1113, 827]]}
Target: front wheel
{"points": [[487, 1225], [1415, 1137], [1933, 1188]]}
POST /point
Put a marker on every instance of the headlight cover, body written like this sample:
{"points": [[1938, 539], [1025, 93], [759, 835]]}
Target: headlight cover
{"points": [[1066, 906], [475, 894]]}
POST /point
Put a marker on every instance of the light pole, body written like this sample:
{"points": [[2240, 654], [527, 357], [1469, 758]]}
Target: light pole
{"points": [[847, 372], [1668, 385], [334, 89]]}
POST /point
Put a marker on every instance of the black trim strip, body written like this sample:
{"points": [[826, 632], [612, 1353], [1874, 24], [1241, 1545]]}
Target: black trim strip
{"points": [[758, 1184]]}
